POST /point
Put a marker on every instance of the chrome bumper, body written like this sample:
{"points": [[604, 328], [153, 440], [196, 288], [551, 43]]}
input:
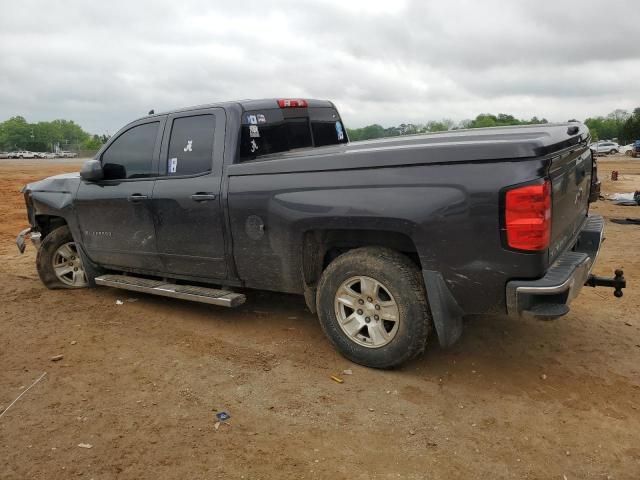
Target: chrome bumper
{"points": [[36, 239], [550, 296]]}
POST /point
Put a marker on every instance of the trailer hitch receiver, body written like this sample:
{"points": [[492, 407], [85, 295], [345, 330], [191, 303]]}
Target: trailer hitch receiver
{"points": [[617, 283]]}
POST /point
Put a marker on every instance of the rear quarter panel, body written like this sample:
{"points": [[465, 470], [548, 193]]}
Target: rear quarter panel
{"points": [[450, 211]]}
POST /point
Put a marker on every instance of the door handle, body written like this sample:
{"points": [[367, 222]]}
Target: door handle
{"points": [[137, 197], [203, 197]]}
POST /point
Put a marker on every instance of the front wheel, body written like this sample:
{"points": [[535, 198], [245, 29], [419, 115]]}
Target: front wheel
{"points": [[372, 306], [59, 263]]}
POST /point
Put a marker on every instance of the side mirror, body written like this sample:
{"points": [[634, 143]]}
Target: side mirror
{"points": [[92, 171]]}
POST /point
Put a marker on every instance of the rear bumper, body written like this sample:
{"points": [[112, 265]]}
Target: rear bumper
{"points": [[550, 296]]}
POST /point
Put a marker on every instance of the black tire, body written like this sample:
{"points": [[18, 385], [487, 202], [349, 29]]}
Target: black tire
{"points": [[613, 151], [628, 153], [44, 261], [402, 278]]}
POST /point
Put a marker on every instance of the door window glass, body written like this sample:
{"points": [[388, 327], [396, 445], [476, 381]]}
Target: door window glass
{"points": [[131, 154], [191, 145]]}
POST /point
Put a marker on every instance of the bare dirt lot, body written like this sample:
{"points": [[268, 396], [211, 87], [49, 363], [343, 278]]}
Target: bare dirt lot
{"points": [[141, 382]]}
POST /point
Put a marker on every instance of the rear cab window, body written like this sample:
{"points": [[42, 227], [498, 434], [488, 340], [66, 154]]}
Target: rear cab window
{"points": [[282, 129]]}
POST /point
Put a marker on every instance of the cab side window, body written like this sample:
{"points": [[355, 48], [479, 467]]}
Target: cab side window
{"points": [[131, 154], [191, 145]]}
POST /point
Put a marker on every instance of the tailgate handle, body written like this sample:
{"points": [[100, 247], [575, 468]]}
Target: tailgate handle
{"points": [[203, 197], [137, 197]]}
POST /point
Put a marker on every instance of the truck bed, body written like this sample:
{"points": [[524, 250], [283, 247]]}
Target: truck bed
{"points": [[472, 145]]}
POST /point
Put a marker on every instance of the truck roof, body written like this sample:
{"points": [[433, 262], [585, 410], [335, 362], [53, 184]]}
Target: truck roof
{"points": [[246, 104]]}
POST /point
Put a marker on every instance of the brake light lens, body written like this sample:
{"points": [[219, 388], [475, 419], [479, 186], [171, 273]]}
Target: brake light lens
{"points": [[292, 103], [528, 217]]}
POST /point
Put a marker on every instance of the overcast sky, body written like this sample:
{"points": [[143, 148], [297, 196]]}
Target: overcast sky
{"points": [[104, 63]]}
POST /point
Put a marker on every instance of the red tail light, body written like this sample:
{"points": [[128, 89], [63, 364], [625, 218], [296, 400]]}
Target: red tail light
{"points": [[528, 216], [292, 103]]}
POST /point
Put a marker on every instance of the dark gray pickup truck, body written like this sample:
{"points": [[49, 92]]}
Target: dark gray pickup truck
{"points": [[386, 239]]}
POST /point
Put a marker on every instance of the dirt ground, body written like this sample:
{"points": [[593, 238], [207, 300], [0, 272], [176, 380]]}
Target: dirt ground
{"points": [[141, 382]]}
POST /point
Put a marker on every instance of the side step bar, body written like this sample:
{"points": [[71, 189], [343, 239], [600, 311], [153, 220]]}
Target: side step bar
{"points": [[212, 296]]}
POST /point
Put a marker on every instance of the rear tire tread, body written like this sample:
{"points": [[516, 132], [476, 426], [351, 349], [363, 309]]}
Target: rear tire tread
{"points": [[414, 300]]}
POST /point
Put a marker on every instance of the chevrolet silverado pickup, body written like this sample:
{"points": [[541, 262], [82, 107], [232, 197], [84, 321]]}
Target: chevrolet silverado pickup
{"points": [[387, 240]]}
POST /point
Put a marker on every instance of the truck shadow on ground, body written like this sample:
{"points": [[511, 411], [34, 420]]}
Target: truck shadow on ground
{"points": [[498, 343]]}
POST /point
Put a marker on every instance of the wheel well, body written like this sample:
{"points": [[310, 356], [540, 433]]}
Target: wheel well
{"points": [[48, 223], [321, 247]]}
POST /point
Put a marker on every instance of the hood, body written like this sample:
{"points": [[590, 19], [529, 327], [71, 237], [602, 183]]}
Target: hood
{"points": [[63, 183]]}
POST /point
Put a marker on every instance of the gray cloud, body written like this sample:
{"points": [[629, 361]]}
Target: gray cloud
{"points": [[106, 63]]}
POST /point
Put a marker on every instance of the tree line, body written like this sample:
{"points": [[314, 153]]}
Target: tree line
{"points": [[619, 124], [18, 134]]}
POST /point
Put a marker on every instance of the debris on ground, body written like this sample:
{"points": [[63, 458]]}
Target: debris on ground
{"points": [[628, 324], [348, 371], [336, 379], [85, 445], [626, 221], [73, 342], [131, 300], [543, 376], [5, 410], [57, 358], [621, 196], [119, 302], [223, 416], [626, 199]]}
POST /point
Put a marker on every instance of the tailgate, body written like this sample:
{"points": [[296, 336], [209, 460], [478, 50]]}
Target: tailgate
{"points": [[570, 175]]}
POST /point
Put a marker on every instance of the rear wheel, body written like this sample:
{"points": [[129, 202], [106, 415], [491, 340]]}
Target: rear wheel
{"points": [[59, 263], [372, 306], [612, 151]]}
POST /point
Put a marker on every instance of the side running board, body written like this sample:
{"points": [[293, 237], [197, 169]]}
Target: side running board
{"points": [[212, 296]]}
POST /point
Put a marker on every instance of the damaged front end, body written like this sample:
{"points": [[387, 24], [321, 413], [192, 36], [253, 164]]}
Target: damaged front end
{"points": [[34, 235]]}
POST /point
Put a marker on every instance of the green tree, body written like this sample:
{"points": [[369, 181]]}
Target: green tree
{"points": [[630, 130], [367, 133], [16, 133], [92, 143]]}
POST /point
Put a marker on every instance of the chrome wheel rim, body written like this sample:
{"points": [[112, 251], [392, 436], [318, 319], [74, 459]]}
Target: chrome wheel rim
{"points": [[367, 312], [67, 265]]}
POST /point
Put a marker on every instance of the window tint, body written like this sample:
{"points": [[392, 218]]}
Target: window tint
{"points": [[276, 137], [281, 130], [131, 154], [191, 145]]}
